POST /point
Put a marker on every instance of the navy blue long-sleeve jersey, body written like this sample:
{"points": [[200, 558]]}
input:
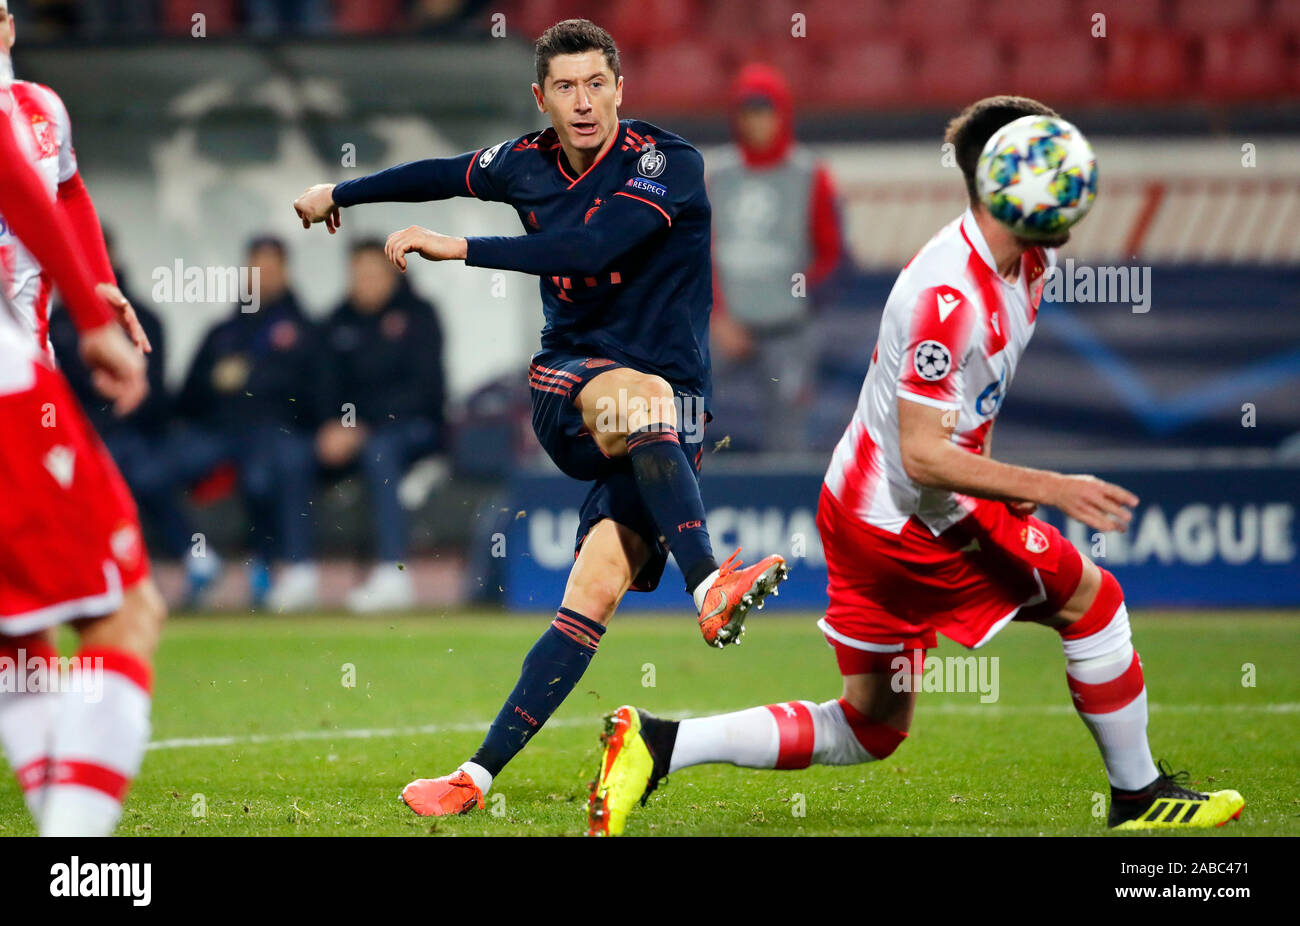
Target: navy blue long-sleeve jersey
{"points": [[622, 250]]}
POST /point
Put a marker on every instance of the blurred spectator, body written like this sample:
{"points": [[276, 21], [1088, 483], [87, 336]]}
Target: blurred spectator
{"points": [[385, 359], [118, 18], [252, 398], [776, 239], [136, 441], [277, 17]]}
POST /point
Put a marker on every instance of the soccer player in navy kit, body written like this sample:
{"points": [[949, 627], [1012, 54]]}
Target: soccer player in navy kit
{"points": [[618, 228]]}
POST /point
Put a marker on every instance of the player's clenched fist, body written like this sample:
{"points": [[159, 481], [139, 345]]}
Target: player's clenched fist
{"points": [[428, 244], [1100, 505], [317, 204]]}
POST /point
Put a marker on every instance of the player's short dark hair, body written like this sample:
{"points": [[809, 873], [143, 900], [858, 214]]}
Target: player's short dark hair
{"points": [[969, 132], [271, 242], [573, 37], [367, 244]]}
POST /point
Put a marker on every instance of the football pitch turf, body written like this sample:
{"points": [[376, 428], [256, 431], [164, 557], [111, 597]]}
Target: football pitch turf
{"points": [[256, 732]]}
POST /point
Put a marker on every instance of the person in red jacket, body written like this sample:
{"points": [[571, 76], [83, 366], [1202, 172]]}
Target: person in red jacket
{"points": [[776, 239], [70, 545]]}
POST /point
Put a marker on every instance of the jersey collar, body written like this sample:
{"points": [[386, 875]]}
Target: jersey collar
{"points": [[970, 230], [560, 158]]}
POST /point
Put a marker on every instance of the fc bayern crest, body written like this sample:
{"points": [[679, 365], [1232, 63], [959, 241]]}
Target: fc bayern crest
{"points": [[652, 163], [932, 361]]}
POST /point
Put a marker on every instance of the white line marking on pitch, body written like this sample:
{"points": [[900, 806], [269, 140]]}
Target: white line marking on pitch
{"points": [[431, 729]]}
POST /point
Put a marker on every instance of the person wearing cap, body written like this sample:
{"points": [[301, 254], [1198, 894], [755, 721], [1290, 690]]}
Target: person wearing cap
{"points": [[776, 241]]}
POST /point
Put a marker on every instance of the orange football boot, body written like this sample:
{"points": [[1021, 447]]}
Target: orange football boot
{"points": [[441, 797], [734, 592]]}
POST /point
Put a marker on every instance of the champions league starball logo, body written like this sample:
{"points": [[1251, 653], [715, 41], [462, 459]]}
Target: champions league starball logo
{"points": [[486, 158], [932, 361]]}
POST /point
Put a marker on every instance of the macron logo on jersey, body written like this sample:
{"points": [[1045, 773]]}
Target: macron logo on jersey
{"points": [[60, 461], [947, 302]]}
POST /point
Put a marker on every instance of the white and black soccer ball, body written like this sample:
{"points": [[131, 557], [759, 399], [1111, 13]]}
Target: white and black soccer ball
{"points": [[1037, 175], [932, 361]]}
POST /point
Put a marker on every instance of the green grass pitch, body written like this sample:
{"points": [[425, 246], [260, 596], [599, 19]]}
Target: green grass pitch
{"points": [[255, 732]]}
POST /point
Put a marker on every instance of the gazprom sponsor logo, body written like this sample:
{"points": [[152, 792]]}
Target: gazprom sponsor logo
{"points": [[648, 186], [1199, 534]]}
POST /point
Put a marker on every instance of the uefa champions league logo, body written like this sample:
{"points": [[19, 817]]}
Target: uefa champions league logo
{"points": [[486, 158], [932, 361]]}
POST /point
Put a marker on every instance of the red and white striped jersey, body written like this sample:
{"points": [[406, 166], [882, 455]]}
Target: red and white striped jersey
{"points": [[951, 336], [40, 125]]}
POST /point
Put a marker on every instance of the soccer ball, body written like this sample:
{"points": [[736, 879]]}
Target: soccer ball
{"points": [[1037, 176]]}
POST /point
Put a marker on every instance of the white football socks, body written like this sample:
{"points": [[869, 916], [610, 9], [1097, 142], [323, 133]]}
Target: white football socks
{"points": [[482, 777], [703, 589], [26, 727], [99, 741], [794, 734], [1106, 684], [28, 707]]}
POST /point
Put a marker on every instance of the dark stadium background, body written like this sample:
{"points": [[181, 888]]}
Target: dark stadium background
{"points": [[192, 144]]}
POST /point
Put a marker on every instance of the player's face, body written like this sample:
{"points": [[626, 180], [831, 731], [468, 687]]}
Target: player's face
{"points": [[271, 276], [757, 126], [373, 280], [582, 97]]}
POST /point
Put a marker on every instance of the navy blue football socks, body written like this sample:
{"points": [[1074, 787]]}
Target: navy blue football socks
{"points": [[551, 669], [670, 490]]}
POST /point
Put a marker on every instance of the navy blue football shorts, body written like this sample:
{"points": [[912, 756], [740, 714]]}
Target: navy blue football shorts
{"points": [[555, 379]]}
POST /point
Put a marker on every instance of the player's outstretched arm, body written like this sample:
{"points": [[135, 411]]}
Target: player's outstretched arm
{"points": [[615, 229], [933, 460], [423, 181]]}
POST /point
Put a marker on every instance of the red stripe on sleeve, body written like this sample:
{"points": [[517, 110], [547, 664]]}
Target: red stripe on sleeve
{"points": [[468, 169], [648, 203]]}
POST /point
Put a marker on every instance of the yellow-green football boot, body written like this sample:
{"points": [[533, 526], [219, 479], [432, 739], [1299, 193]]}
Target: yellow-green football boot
{"points": [[630, 768], [1167, 804]]}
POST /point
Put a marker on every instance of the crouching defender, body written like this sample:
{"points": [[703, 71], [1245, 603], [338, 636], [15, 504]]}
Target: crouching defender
{"points": [[925, 533], [618, 229]]}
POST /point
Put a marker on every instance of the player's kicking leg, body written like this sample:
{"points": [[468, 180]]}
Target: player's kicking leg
{"points": [[867, 723], [610, 558], [633, 413], [1104, 674]]}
